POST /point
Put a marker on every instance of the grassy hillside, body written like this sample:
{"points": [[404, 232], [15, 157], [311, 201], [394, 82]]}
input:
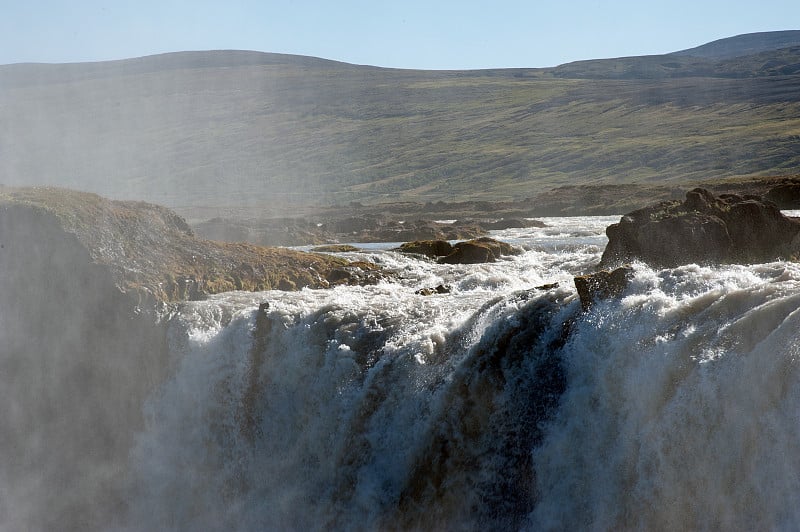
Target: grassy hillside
{"points": [[220, 133], [741, 45]]}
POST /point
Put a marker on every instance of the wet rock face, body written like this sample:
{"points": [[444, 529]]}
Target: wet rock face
{"points": [[439, 289], [78, 359], [703, 229], [497, 405], [603, 284]]}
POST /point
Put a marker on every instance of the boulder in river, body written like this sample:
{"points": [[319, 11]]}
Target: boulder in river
{"points": [[603, 284], [470, 252], [703, 229], [476, 251], [428, 248]]}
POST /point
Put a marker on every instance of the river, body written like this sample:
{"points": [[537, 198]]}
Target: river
{"points": [[499, 405]]}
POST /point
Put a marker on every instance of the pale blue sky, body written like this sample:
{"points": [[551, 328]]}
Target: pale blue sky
{"points": [[402, 33]]}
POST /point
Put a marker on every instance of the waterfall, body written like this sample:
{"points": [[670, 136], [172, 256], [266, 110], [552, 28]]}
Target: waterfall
{"points": [[499, 406]]}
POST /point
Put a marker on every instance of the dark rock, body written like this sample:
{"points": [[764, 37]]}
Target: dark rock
{"points": [[703, 229], [250, 419], [785, 195], [511, 223], [498, 248], [479, 251], [470, 252], [499, 412], [603, 284], [548, 286], [440, 289], [428, 248], [476, 251], [669, 241]]}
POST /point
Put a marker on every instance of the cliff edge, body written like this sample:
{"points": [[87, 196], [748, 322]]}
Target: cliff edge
{"points": [[83, 342]]}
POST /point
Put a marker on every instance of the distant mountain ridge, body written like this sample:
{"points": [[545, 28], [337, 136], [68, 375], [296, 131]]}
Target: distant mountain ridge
{"points": [[741, 45], [749, 55], [20, 74], [220, 132]]}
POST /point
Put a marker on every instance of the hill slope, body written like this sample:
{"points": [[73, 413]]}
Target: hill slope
{"points": [[741, 45], [224, 132]]}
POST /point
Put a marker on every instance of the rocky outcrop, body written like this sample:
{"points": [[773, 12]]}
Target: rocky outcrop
{"points": [[428, 248], [477, 251], [703, 229], [86, 285], [603, 284], [152, 253], [79, 357], [785, 195], [469, 253]]}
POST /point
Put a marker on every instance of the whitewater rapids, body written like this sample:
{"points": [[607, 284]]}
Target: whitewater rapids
{"points": [[497, 406]]}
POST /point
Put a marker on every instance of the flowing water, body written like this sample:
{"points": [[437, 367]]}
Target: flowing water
{"points": [[499, 405]]}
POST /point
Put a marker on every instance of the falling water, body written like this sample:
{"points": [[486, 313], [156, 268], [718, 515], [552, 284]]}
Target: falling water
{"points": [[498, 405]]}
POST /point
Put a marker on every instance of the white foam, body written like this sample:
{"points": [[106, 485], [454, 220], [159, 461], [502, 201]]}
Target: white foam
{"points": [[680, 409]]}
